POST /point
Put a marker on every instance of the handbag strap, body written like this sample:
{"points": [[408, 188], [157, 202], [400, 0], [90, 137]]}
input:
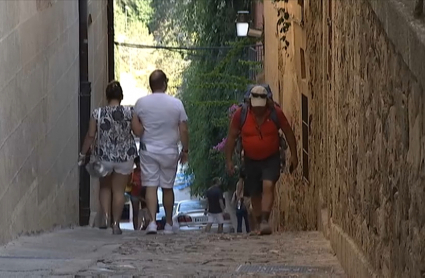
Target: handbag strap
{"points": [[98, 130]]}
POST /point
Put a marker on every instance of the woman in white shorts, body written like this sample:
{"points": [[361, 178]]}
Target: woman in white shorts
{"points": [[116, 149]]}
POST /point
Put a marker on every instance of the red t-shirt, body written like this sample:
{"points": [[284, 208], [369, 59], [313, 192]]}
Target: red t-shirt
{"points": [[137, 180], [259, 142]]}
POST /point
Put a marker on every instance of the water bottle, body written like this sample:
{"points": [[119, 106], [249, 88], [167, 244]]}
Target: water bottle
{"points": [[239, 204]]}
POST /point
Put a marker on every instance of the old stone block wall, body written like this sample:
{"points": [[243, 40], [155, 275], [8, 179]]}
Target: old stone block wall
{"points": [[98, 74], [367, 138], [39, 85], [295, 206]]}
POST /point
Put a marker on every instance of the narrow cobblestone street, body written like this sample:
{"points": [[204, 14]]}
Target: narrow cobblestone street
{"points": [[86, 252]]}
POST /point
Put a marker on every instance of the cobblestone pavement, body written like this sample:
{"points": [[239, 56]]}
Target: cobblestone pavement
{"points": [[85, 252]]}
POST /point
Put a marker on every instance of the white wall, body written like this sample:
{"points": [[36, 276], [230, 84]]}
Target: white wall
{"points": [[39, 84]]}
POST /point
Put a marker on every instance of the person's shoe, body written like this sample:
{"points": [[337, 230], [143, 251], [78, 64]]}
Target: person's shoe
{"points": [[105, 222], [265, 228], [152, 229], [176, 225], [168, 229], [116, 230]]}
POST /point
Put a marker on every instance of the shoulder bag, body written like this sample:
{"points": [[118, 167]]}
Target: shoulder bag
{"points": [[95, 167]]}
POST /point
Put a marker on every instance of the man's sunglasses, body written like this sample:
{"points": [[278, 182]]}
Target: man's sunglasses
{"points": [[254, 95]]}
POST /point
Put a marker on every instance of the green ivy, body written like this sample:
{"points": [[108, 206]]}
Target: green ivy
{"points": [[215, 79], [282, 23]]}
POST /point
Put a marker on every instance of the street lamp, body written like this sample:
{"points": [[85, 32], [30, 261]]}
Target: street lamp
{"points": [[242, 23]]}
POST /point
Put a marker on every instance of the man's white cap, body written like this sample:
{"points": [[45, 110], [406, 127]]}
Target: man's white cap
{"points": [[257, 101]]}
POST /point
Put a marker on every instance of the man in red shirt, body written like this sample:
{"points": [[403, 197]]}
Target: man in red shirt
{"points": [[260, 142]]}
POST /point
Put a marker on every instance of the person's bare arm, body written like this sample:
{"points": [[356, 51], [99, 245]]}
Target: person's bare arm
{"points": [[131, 179], [184, 135], [240, 188], [222, 204], [290, 138], [232, 135], [90, 136], [287, 130], [136, 126], [234, 197], [231, 142]]}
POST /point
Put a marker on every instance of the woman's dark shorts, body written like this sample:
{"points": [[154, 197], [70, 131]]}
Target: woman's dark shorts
{"points": [[257, 171]]}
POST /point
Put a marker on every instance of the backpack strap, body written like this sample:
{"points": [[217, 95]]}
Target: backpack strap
{"points": [[275, 118], [244, 114], [268, 89], [248, 90]]}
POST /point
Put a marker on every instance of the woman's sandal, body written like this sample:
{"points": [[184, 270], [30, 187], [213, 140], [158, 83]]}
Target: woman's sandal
{"points": [[116, 230], [105, 224]]}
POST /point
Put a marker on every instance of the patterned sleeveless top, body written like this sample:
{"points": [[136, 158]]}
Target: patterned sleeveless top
{"points": [[115, 139]]}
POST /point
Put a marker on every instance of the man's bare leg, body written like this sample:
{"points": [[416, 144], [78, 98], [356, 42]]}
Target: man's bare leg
{"points": [[119, 182], [145, 218], [168, 202], [220, 229], [208, 228], [136, 207], [256, 212], [266, 206], [152, 202], [105, 196]]}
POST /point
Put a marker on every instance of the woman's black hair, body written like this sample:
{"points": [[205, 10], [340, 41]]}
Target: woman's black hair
{"points": [[137, 160], [114, 91]]}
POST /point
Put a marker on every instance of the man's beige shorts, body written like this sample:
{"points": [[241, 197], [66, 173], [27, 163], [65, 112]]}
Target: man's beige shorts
{"points": [[158, 170], [216, 218]]}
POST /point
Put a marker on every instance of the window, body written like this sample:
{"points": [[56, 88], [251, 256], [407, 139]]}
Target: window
{"points": [[280, 92], [255, 54], [192, 206], [303, 70], [304, 112]]}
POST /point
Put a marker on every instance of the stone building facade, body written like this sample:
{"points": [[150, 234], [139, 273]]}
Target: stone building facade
{"points": [[39, 89], [287, 74], [351, 84]]}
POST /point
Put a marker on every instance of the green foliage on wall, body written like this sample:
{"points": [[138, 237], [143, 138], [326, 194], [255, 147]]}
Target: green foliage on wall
{"points": [[282, 23], [208, 79], [215, 79], [132, 18], [137, 10]]}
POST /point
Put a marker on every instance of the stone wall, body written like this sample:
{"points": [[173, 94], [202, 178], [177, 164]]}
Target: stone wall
{"points": [[39, 85], [296, 199], [368, 137], [98, 75]]}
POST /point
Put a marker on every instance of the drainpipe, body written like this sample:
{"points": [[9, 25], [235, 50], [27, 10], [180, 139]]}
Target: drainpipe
{"points": [[111, 45], [84, 102]]}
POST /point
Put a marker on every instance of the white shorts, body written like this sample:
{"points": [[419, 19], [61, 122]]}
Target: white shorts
{"points": [[158, 170], [215, 218], [123, 168]]}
